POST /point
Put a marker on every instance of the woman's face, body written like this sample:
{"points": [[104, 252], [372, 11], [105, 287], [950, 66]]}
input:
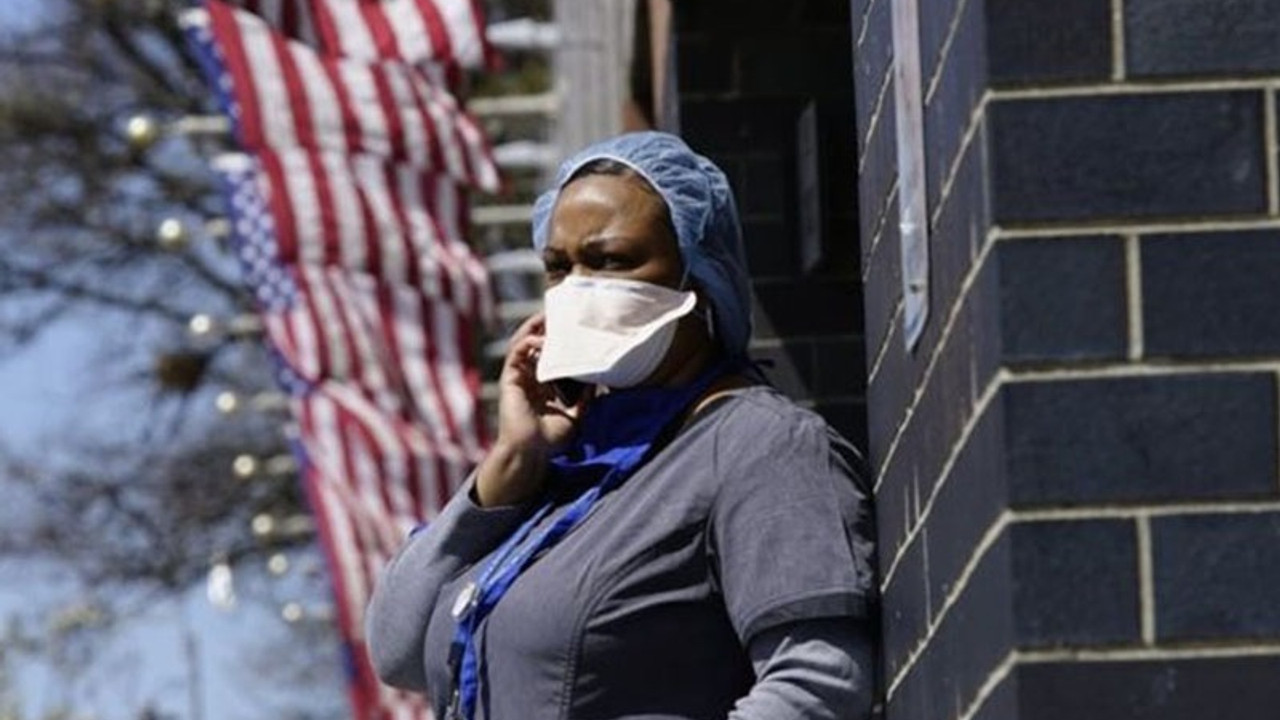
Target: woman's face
{"points": [[614, 226]]}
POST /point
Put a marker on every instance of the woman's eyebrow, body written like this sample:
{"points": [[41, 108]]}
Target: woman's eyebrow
{"points": [[596, 241]]}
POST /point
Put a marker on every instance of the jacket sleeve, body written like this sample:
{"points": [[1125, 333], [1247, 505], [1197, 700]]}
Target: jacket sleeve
{"points": [[812, 669], [408, 588]]}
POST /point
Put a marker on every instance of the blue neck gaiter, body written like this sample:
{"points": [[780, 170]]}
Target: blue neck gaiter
{"points": [[616, 435]]}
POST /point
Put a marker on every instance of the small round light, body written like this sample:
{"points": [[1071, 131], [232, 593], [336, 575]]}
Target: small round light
{"points": [[263, 525], [200, 325], [278, 564], [291, 612], [171, 234], [244, 466], [142, 131], [227, 402]]}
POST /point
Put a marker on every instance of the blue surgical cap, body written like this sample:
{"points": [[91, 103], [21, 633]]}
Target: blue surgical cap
{"points": [[702, 208]]}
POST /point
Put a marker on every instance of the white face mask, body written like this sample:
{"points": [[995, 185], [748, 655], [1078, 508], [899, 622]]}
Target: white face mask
{"points": [[609, 331]]}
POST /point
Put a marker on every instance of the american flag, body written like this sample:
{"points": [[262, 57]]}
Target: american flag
{"points": [[283, 93], [349, 229], [447, 33]]}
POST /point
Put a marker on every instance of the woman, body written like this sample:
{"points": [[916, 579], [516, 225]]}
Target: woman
{"points": [[653, 534]]}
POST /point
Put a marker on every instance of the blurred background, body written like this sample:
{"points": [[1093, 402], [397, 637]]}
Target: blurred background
{"points": [[156, 555]]}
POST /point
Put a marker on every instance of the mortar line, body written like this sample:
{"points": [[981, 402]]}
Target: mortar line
{"points": [[1143, 368], [1122, 512], [989, 686], [865, 25], [989, 539], [1146, 581], [976, 118], [881, 223], [1132, 654], [962, 297], [1144, 87], [1271, 143], [944, 475], [1133, 279], [1173, 227], [874, 122], [884, 344], [1118, 41], [945, 51]]}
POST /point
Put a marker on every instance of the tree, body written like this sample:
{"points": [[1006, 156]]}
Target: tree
{"points": [[135, 507]]}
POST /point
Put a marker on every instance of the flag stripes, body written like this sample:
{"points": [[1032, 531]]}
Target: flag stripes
{"points": [[349, 217], [448, 33], [281, 93]]}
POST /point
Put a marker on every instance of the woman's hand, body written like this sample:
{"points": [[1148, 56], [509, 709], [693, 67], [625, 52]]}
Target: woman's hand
{"points": [[532, 423]]}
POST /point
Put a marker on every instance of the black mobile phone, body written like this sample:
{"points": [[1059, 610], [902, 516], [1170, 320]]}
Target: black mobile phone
{"points": [[568, 390]]}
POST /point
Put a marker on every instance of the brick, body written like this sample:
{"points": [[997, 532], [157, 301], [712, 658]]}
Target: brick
{"points": [[837, 152], [887, 396], [839, 366], [1215, 576], [841, 255], [771, 248], [937, 19], [968, 504], [894, 507], [1048, 42], [1175, 437], [825, 14], [951, 376], [769, 184], [873, 64], [981, 323], [1201, 37], [788, 366], [1095, 158], [1063, 299], [738, 125], [923, 440], [878, 174], [1001, 704], [917, 696], [1212, 294], [905, 611], [976, 633], [1240, 688], [814, 62], [812, 307], [962, 223], [883, 287], [707, 64], [711, 18], [948, 111], [1075, 583]]}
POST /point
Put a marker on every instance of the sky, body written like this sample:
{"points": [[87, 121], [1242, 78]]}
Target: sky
{"points": [[146, 661]]}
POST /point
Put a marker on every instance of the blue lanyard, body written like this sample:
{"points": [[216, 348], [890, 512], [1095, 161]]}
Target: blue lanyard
{"points": [[657, 406]]}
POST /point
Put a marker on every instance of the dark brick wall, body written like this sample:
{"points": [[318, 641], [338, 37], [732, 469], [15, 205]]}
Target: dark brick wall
{"points": [[746, 70], [1076, 467], [1077, 484]]}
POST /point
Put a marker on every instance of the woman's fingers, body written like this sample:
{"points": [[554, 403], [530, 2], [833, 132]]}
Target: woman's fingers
{"points": [[535, 324]]}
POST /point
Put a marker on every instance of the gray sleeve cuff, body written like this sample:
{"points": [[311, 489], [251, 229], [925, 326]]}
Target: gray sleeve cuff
{"points": [[840, 602], [813, 669]]}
